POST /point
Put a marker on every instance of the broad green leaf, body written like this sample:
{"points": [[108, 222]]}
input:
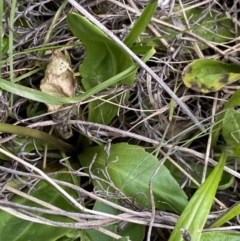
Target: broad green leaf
{"points": [[208, 75], [141, 23], [220, 236], [195, 214], [104, 59], [130, 168], [16, 229], [232, 102], [228, 215]]}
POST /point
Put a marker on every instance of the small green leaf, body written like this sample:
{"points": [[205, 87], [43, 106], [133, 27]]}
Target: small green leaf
{"points": [[207, 75], [236, 150], [141, 23], [214, 27], [130, 169], [195, 214], [5, 45], [228, 215], [232, 102], [231, 127], [95, 234], [31, 146], [194, 170], [231, 131], [134, 231]]}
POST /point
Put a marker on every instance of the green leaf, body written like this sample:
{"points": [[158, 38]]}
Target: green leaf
{"points": [[95, 234], [5, 45], [32, 94], [208, 75], [71, 236], [31, 146], [141, 23], [214, 27], [231, 127], [130, 168], [26, 131], [228, 215], [16, 229], [195, 214], [220, 236], [134, 231], [104, 59], [39, 96], [195, 169], [232, 102]]}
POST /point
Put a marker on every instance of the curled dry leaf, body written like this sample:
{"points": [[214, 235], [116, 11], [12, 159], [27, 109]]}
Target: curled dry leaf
{"points": [[59, 81], [59, 78]]}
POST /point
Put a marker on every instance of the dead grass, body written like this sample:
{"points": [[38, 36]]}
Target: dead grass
{"points": [[150, 116]]}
